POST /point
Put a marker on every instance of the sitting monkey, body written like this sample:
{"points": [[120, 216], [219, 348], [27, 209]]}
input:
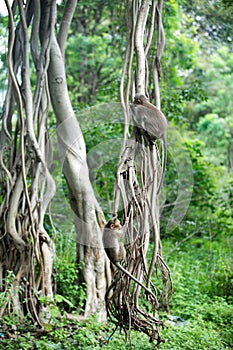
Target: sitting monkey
{"points": [[153, 123], [113, 237]]}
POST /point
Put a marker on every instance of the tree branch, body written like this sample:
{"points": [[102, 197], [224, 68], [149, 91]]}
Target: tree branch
{"points": [[65, 24], [139, 47]]}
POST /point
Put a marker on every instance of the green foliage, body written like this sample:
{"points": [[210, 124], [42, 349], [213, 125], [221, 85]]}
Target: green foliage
{"points": [[95, 71], [180, 85], [228, 4], [103, 144], [75, 293], [224, 202], [216, 133], [203, 190], [204, 181], [175, 101], [206, 317], [3, 55], [10, 291], [215, 71], [212, 21], [197, 335], [217, 76], [199, 318]]}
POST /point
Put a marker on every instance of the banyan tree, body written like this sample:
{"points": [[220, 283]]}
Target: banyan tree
{"points": [[36, 84]]}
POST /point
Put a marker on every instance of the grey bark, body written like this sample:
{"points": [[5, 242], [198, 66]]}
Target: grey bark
{"points": [[87, 214]]}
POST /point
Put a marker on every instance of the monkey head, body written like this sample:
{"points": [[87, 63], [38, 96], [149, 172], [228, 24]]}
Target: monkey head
{"points": [[114, 224], [140, 99]]}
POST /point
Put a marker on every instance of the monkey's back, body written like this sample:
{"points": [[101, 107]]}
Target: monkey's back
{"points": [[152, 120], [114, 249]]}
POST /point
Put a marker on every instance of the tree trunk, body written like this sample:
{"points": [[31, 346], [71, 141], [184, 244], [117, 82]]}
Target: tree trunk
{"points": [[138, 176], [87, 215], [27, 251]]}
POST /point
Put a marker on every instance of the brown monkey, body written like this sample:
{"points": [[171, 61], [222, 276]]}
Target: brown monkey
{"points": [[113, 240], [115, 250], [154, 125]]}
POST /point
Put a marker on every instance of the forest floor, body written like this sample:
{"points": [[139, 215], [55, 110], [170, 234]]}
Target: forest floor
{"points": [[200, 313]]}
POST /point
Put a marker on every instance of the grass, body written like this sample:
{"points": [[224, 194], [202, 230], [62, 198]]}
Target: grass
{"points": [[200, 315]]}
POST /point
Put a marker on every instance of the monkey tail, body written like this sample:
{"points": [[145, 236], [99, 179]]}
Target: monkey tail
{"points": [[164, 161], [119, 266]]}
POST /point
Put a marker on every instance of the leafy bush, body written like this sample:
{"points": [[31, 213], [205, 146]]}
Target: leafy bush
{"points": [[70, 294], [205, 318]]}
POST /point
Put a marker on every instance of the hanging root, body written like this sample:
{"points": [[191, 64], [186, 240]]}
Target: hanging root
{"points": [[125, 304]]}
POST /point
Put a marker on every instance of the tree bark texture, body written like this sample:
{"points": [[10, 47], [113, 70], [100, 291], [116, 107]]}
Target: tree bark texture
{"points": [[137, 180], [27, 250], [27, 187], [87, 214]]}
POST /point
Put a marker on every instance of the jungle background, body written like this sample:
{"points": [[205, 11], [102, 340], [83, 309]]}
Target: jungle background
{"points": [[196, 96]]}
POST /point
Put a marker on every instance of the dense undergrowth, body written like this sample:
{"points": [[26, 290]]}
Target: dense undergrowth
{"points": [[200, 315]]}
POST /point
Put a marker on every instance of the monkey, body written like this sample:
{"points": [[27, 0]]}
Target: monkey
{"points": [[113, 233], [154, 125], [115, 250]]}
